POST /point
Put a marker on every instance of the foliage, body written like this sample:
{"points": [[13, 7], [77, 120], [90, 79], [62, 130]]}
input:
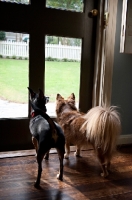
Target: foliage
{"points": [[2, 35], [76, 5], [49, 59], [63, 41], [60, 60], [14, 57]]}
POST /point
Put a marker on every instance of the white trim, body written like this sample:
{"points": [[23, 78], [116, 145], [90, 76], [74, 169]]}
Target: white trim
{"points": [[125, 139], [123, 26]]}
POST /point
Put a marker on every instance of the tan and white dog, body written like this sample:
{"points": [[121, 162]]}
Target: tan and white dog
{"points": [[99, 127]]}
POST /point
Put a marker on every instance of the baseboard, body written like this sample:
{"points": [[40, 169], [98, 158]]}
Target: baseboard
{"points": [[125, 139]]}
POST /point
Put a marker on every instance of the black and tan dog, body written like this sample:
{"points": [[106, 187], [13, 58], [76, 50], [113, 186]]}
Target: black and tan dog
{"points": [[46, 134]]}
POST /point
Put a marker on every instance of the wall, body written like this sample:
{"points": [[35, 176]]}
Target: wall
{"points": [[122, 83]]}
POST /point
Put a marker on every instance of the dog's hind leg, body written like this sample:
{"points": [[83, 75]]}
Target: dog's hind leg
{"points": [[108, 166], [61, 157], [67, 149], [46, 157], [39, 160], [101, 158], [77, 153], [35, 143]]}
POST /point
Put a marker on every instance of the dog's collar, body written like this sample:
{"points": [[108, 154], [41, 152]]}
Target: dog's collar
{"points": [[34, 114]]}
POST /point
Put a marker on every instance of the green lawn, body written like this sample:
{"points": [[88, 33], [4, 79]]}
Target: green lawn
{"points": [[61, 77]]}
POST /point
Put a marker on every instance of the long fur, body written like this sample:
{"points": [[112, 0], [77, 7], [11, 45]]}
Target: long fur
{"points": [[100, 127]]}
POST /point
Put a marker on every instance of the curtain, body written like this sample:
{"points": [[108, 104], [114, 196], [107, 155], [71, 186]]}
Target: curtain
{"points": [[102, 86]]}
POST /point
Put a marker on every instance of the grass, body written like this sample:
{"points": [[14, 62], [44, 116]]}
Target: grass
{"points": [[61, 77]]}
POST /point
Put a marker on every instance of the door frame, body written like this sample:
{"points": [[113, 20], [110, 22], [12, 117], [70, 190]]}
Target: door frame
{"points": [[15, 133]]}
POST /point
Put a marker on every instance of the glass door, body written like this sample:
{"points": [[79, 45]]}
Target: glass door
{"points": [[41, 19]]}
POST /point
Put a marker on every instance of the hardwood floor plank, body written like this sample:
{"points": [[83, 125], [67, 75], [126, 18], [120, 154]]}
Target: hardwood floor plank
{"points": [[81, 180]]}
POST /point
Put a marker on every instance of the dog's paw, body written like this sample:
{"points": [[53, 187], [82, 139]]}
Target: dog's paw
{"points": [[77, 155], [66, 156], [37, 185], [104, 175], [59, 177], [46, 157]]}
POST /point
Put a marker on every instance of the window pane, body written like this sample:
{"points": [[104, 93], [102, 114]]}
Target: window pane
{"points": [[73, 5], [18, 1], [13, 75], [62, 69]]}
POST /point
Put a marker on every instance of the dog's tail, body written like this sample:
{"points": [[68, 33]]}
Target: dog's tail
{"points": [[102, 127]]}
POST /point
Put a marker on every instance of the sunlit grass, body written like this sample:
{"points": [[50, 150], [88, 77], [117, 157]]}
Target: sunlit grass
{"points": [[61, 77]]}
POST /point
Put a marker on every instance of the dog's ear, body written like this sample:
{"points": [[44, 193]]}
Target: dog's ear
{"points": [[71, 97], [41, 94], [32, 93], [59, 97]]}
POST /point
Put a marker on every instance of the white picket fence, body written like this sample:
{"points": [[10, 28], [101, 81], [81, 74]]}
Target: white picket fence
{"points": [[21, 49], [10, 48]]}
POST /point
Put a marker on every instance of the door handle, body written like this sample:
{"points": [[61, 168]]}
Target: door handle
{"points": [[93, 13]]}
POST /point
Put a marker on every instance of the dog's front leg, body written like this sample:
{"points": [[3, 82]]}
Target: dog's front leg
{"points": [[39, 160], [61, 157], [67, 149], [77, 153]]}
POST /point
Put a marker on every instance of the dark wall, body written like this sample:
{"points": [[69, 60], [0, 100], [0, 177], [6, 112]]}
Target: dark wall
{"points": [[122, 79]]}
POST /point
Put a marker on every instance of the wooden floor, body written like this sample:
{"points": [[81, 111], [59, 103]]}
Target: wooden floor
{"points": [[81, 177]]}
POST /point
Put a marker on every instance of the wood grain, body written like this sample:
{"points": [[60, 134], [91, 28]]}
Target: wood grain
{"points": [[81, 181]]}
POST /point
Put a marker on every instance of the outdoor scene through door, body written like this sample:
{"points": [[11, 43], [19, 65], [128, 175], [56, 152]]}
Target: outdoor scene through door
{"points": [[14, 61], [62, 69], [72, 5], [62, 72]]}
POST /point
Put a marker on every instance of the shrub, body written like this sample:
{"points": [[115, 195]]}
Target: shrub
{"points": [[49, 59], [60, 60], [65, 60], [2, 35], [13, 57]]}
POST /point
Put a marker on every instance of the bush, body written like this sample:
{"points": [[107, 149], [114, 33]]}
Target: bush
{"points": [[1, 56], [13, 57], [2, 35], [65, 60], [60, 60], [49, 59]]}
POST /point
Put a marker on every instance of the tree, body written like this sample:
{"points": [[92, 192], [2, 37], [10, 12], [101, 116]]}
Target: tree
{"points": [[76, 5], [2, 35]]}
